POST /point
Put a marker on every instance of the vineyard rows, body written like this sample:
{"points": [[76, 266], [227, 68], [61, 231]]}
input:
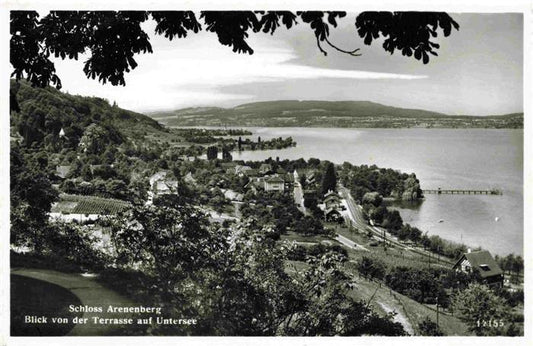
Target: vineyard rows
{"points": [[94, 205]]}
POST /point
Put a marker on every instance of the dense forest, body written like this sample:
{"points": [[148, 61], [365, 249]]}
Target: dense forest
{"points": [[44, 112]]}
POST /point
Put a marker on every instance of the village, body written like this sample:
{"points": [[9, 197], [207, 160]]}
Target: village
{"points": [[332, 209], [309, 207]]}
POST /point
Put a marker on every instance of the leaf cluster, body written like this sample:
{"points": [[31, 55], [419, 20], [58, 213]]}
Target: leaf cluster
{"points": [[113, 38]]}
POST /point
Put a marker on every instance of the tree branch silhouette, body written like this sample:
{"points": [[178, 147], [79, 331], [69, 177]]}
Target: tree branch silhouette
{"points": [[112, 39], [350, 52]]}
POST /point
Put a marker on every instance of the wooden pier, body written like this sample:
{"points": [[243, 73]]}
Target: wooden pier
{"points": [[440, 191]]}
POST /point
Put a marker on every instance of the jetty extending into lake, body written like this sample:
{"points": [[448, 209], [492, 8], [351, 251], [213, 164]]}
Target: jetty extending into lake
{"points": [[440, 191]]}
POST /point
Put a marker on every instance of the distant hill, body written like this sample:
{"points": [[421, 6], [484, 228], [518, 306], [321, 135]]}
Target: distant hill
{"points": [[328, 114]]}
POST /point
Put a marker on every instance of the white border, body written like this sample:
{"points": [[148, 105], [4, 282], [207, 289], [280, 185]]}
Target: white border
{"points": [[480, 6]]}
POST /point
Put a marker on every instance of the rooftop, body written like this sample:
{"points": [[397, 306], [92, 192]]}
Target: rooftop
{"points": [[484, 261], [274, 179]]}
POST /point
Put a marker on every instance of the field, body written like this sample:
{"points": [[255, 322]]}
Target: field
{"points": [[392, 256], [77, 204], [299, 238]]}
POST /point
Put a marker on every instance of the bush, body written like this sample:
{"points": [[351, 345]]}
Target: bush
{"points": [[370, 267], [70, 244], [300, 253], [320, 249], [512, 298], [429, 328], [31, 260], [422, 285]]}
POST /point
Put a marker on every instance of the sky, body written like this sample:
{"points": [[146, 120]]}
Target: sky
{"points": [[479, 70]]}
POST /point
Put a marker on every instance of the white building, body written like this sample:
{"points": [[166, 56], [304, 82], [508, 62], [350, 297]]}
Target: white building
{"points": [[275, 183], [161, 185]]}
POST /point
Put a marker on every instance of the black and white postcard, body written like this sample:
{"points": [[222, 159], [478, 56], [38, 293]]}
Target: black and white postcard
{"points": [[268, 171]]}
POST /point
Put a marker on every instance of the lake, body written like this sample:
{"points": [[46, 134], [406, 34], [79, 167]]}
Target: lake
{"points": [[446, 158]]}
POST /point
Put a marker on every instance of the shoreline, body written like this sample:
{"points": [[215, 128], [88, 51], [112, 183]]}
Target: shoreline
{"points": [[476, 150], [218, 127]]}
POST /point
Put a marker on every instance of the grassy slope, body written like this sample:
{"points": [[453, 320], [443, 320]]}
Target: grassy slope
{"points": [[391, 256], [414, 312]]}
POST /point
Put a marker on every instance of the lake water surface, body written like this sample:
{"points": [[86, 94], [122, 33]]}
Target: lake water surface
{"points": [[446, 158]]}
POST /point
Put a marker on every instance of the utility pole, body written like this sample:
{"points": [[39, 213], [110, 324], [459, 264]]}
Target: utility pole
{"points": [[437, 300]]}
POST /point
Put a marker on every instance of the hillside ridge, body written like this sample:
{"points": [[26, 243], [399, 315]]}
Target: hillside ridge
{"points": [[316, 113]]}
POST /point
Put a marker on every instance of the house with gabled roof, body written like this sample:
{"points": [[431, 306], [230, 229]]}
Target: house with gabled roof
{"points": [[252, 173], [162, 185], [228, 167], [274, 183], [483, 264], [332, 200], [240, 170], [265, 168]]}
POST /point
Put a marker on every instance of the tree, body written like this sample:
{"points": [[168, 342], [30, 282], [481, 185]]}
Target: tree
{"points": [[31, 197], [113, 38], [482, 309], [226, 155], [96, 138], [330, 308], [415, 234], [69, 243], [513, 330], [404, 232], [379, 214], [212, 153], [429, 328], [309, 225], [373, 197], [517, 264], [234, 280], [313, 162], [370, 267], [311, 202], [393, 220], [329, 179], [411, 188], [86, 173], [217, 200]]}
